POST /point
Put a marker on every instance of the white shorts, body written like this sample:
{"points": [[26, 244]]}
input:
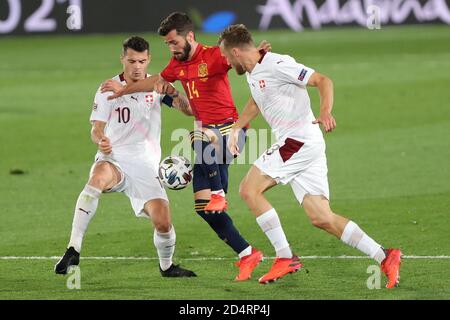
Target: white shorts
{"points": [[303, 165], [139, 180]]}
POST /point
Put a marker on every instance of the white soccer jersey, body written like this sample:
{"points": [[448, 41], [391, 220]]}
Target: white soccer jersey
{"points": [[278, 86], [133, 123]]}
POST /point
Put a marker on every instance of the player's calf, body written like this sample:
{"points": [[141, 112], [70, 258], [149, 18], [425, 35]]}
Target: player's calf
{"points": [[321, 216], [252, 190], [159, 213], [206, 158], [223, 226]]}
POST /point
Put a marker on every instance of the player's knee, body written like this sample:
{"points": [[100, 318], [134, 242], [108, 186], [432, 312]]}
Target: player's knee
{"points": [[163, 226], [246, 192], [162, 222], [99, 181], [322, 222]]}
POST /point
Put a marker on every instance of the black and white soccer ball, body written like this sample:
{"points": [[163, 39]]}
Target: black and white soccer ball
{"points": [[175, 172]]}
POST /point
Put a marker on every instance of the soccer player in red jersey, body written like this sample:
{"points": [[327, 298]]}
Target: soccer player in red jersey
{"points": [[203, 72]]}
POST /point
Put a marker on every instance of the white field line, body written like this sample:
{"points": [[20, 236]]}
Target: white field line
{"points": [[211, 258]]}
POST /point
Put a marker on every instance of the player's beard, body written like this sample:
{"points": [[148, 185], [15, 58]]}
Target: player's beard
{"points": [[185, 55], [239, 69]]}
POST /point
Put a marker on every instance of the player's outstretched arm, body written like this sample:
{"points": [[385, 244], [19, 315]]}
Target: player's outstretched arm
{"points": [[325, 87], [144, 85], [250, 111]]}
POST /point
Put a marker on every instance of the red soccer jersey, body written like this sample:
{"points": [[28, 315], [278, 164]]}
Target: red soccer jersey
{"points": [[205, 81]]}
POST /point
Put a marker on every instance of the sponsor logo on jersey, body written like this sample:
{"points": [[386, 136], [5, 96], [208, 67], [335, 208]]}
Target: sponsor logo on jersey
{"points": [[302, 74], [202, 70], [181, 74]]}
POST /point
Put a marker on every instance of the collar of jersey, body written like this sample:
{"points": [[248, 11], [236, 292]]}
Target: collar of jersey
{"points": [[122, 78], [263, 55]]}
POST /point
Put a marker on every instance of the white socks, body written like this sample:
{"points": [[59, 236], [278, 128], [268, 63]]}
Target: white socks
{"points": [[84, 211], [271, 226], [356, 238], [245, 252], [219, 192], [165, 245]]}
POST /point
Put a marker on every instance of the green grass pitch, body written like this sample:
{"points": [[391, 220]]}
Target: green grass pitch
{"points": [[388, 170]]}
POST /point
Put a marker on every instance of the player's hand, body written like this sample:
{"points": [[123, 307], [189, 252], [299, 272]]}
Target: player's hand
{"points": [[233, 141], [164, 87], [327, 121], [112, 86], [265, 45], [104, 145]]}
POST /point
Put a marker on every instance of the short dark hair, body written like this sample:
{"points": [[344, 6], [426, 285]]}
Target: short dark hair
{"points": [[136, 43], [236, 35], [179, 21]]}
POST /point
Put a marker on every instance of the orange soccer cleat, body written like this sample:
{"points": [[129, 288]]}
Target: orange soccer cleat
{"points": [[247, 264], [216, 204], [391, 267], [280, 268]]}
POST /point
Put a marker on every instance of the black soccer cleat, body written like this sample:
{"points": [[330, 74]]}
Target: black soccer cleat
{"points": [[176, 271], [70, 258]]}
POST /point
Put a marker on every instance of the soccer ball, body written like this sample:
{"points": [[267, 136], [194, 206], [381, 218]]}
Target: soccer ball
{"points": [[175, 172]]}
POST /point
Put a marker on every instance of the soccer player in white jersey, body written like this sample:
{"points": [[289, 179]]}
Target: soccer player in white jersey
{"points": [[278, 86], [127, 131]]}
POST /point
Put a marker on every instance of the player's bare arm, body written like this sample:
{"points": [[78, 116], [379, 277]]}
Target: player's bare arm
{"points": [[325, 87], [99, 138], [251, 110], [144, 85], [181, 102]]}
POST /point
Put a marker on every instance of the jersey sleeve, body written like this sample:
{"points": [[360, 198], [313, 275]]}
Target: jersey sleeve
{"points": [[168, 73], [101, 110], [288, 70], [220, 62]]}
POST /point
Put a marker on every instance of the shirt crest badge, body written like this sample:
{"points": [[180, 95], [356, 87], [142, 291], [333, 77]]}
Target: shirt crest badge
{"points": [[202, 70], [149, 99], [262, 84]]}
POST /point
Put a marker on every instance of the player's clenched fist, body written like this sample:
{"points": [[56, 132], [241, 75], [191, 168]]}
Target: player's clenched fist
{"points": [[104, 145], [233, 142], [164, 87]]}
